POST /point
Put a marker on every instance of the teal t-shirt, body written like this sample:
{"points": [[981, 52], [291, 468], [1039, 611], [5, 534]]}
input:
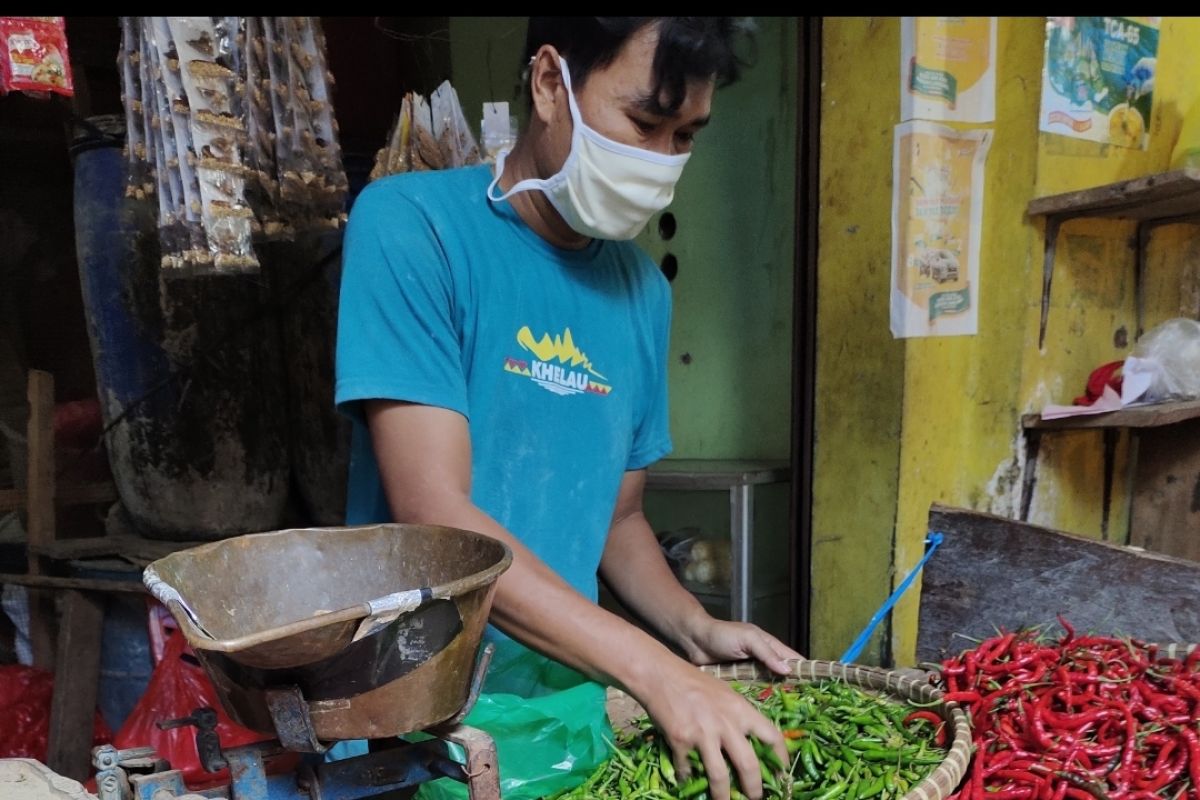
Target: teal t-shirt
{"points": [[556, 357]]}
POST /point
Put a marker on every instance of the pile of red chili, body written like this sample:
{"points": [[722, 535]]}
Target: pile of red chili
{"points": [[1086, 718]]}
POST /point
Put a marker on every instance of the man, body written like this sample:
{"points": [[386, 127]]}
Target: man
{"points": [[502, 348]]}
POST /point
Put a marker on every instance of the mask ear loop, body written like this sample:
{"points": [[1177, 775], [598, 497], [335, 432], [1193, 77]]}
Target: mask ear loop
{"points": [[539, 183], [500, 158]]}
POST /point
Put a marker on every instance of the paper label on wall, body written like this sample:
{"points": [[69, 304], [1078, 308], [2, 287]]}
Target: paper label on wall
{"points": [[948, 68], [1098, 78], [937, 220]]}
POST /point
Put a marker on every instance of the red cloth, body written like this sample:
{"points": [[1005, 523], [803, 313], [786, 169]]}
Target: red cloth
{"points": [[1105, 375]]}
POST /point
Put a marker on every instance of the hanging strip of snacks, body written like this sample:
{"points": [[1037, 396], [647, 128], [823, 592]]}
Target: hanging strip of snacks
{"points": [[428, 134], [230, 125]]}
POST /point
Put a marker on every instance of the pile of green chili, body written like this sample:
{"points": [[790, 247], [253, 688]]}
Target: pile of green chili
{"points": [[845, 744]]}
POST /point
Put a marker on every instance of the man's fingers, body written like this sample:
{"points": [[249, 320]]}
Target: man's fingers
{"points": [[717, 771], [745, 762], [770, 651], [768, 734], [783, 651], [679, 758]]}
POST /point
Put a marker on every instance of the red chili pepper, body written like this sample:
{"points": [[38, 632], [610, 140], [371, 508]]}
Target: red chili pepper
{"points": [[1070, 632], [963, 697], [1074, 721], [932, 718], [1001, 761], [1193, 747], [1162, 774], [978, 765], [997, 651], [1023, 776], [765, 693], [1038, 726], [1034, 675], [1090, 718], [1185, 687]]}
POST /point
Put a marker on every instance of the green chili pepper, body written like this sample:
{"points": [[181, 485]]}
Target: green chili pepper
{"points": [[667, 768]]}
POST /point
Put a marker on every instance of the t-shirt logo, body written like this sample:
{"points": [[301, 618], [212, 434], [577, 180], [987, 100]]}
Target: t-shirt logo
{"points": [[557, 365]]}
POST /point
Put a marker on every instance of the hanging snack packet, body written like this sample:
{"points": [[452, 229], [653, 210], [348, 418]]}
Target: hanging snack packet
{"points": [[35, 56]]}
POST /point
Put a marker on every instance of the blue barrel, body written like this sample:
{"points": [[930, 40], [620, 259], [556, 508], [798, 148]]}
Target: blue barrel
{"points": [[188, 369]]}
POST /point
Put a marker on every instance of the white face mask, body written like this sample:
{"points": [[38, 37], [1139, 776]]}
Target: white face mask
{"points": [[605, 189]]}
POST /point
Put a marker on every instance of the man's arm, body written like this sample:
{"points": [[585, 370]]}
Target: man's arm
{"points": [[635, 569], [424, 456]]}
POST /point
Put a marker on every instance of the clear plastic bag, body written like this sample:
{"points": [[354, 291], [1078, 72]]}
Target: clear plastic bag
{"points": [[1165, 365]]}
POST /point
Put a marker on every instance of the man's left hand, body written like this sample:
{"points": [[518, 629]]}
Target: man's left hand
{"points": [[716, 641]]}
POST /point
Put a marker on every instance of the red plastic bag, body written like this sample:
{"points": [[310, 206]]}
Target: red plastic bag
{"points": [[34, 55], [25, 695], [178, 687]]}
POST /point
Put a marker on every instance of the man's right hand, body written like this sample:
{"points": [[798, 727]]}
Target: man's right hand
{"points": [[696, 711]]}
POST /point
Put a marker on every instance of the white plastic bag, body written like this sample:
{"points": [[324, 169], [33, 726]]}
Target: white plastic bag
{"points": [[1165, 365]]}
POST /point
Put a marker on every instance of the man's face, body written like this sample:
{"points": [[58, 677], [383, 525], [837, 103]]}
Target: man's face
{"points": [[618, 102]]}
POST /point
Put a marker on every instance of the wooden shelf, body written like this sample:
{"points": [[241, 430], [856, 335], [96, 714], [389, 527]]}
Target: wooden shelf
{"points": [[1152, 198], [1150, 201], [134, 549], [1149, 416], [80, 495]]}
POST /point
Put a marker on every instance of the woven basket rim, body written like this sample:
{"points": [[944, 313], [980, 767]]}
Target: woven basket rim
{"points": [[944, 779]]}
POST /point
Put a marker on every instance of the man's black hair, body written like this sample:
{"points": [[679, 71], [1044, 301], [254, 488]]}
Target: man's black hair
{"points": [[689, 48]]}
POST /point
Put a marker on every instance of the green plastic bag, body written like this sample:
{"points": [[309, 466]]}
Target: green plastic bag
{"points": [[548, 721]]}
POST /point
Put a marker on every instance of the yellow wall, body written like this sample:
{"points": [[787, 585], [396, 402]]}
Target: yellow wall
{"points": [[860, 369], [903, 424]]}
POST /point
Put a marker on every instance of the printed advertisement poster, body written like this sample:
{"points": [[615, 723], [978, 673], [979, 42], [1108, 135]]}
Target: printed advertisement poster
{"points": [[948, 68], [1098, 79], [937, 220]]}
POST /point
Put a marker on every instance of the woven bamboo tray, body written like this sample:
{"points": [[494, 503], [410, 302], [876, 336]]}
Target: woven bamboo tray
{"points": [[1175, 650], [938, 784]]}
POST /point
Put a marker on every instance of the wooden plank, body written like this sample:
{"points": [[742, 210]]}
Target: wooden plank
{"points": [[1152, 416], [131, 548], [40, 509], [82, 584], [76, 680], [80, 495], [1165, 508], [1161, 196], [994, 572]]}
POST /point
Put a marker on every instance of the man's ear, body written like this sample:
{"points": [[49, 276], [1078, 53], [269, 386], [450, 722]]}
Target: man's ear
{"points": [[546, 83]]}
